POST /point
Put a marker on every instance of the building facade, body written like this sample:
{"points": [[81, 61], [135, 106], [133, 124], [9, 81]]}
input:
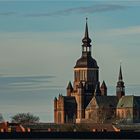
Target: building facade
{"points": [[128, 109], [86, 99]]}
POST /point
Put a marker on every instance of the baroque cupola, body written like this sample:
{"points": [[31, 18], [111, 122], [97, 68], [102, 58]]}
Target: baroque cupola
{"points": [[86, 68], [86, 59]]}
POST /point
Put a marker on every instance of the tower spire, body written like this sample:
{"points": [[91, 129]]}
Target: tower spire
{"points": [[120, 74], [86, 47], [86, 40], [120, 88], [86, 29]]}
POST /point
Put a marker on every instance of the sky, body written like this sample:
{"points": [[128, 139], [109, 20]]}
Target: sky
{"points": [[40, 41]]}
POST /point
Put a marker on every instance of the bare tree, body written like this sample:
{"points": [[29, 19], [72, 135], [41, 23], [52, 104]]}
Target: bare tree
{"points": [[24, 118]]}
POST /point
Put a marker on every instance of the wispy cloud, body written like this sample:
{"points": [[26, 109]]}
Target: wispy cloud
{"points": [[81, 10], [7, 13], [132, 30], [25, 82], [76, 10]]}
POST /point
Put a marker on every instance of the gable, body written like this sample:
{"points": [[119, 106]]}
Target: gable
{"points": [[103, 102], [92, 104], [129, 102], [125, 102]]}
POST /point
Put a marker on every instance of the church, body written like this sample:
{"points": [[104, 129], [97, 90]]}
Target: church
{"points": [[87, 100]]}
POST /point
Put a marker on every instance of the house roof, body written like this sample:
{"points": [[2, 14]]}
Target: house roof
{"points": [[103, 101], [129, 101]]}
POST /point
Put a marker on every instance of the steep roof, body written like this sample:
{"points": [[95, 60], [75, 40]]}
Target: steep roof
{"points": [[103, 85], [129, 101], [104, 101], [69, 85]]}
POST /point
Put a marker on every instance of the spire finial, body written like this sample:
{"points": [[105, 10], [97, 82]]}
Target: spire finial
{"points": [[86, 19]]}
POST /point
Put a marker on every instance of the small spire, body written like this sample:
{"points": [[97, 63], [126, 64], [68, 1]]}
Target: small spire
{"points": [[55, 99], [120, 74], [103, 85], [69, 85]]}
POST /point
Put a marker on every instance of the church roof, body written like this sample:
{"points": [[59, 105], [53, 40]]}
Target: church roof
{"points": [[103, 102], [129, 101], [86, 61]]}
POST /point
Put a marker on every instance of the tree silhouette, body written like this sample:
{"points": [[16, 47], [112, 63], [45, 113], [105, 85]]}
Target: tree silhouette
{"points": [[24, 118]]}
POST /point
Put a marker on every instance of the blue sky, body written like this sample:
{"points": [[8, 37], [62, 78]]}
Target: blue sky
{"points": [[40, 42]]}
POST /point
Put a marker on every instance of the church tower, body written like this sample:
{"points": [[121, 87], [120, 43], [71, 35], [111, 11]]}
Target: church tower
{"points": [[120, 88], [86, 77], [86, 68], [71, 108]]}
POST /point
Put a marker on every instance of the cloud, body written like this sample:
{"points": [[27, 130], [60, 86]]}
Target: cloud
{"points": [[77, 10], [132, 30], [7, 13], [81, 10], [25, 82]]}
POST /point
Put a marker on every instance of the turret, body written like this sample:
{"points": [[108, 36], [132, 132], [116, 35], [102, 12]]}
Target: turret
{"points": [[69, 89], [120, 88], [103, 89]]}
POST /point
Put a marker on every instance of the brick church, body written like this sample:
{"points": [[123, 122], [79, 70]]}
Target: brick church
{"points": [[87, 101]]}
